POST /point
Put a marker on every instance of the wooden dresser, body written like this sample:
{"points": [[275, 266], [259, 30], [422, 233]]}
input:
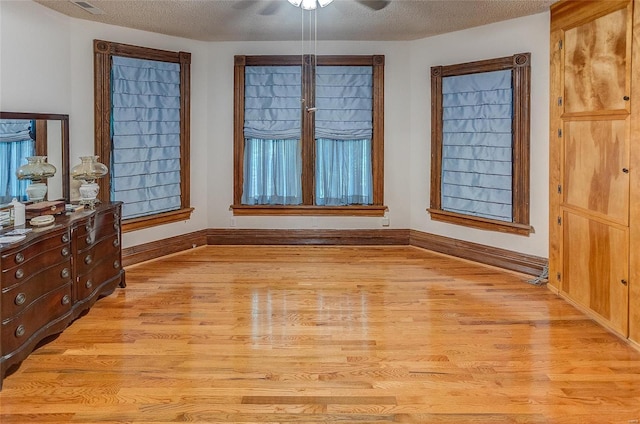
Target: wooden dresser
{"points": [[53, 275]]}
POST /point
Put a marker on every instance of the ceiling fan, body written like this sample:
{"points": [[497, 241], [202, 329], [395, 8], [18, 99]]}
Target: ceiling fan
{"points": [[271, 7]]}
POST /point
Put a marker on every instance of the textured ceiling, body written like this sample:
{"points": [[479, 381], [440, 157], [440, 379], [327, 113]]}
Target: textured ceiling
{"points": [[276, 20]]}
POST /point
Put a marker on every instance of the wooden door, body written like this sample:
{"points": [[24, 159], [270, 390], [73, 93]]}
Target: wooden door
{"points": [[590, 87]]}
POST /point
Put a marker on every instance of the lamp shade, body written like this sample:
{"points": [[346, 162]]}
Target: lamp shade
{"points": [[89, 169], [36, 169]]}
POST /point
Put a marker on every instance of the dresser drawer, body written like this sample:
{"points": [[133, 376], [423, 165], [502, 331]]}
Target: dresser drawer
{"points": [[32, 266], [96, 228], [48, 308], [22, 255], [21, 296], [88, 259], [106, 269]]}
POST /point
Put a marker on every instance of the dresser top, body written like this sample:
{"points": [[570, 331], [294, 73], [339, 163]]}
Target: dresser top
{"points": [[62, 221]]}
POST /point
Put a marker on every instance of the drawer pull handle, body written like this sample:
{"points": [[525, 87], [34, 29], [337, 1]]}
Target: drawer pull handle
{"points": [[20, 299], [65, 251], [116, 226], [19, 258], [64, 273], [20, 331], [116, 264], [88, 284], [65, 238], [88, 240], [88, 259], [66, 299], [19, 273], [116, 243]]}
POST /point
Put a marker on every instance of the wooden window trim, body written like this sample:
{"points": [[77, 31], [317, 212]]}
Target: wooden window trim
{"points": [[134, 224], [103, 52], [308, 152], [309, 210], [520, 65]]}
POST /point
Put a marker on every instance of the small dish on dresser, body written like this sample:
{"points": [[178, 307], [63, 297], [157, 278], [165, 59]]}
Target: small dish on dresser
{"points": [[42, 220]]}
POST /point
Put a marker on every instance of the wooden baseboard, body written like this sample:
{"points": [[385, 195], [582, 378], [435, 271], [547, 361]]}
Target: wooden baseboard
{"points": [[506, 259], [634, 344], [501, 258], [311, 237]]}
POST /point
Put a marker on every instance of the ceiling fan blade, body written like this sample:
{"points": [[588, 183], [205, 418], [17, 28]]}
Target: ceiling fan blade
{"points": [[374, 4], [271, 8], [244, 4]]}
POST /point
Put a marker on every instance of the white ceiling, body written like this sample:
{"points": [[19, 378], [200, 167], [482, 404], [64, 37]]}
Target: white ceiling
{"points": [[250, 20]]}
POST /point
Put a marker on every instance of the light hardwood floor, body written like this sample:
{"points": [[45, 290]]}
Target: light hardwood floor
{"points": [[223, 334]]}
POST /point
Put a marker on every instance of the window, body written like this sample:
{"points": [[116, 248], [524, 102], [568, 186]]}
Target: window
{"points": [[142, 131], [308, 137], [480, 144]]}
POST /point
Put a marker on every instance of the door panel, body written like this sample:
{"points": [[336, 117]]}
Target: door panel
{"points": [[596, 264], [596, 153], [596, 64]]}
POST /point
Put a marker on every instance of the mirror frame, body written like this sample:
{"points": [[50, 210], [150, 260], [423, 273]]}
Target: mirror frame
{"points": [[41, 145]]}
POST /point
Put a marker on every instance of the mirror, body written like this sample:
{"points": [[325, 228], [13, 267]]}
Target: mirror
{"points": [[51, 135]]}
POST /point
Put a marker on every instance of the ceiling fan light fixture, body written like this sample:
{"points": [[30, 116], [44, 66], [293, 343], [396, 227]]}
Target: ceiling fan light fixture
{"points": [[310, 4]]}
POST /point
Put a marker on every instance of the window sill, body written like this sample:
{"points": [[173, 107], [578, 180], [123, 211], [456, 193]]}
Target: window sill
{"points": [[481, 223], [154, 220], [355, 210]]}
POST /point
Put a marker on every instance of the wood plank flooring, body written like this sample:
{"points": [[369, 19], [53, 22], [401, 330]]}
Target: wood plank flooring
{"points": [[311, 334]]}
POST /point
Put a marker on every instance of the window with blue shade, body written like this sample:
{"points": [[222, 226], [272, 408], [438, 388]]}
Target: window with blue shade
{"points": [[480, 144], [142, 131], [308, 135]]}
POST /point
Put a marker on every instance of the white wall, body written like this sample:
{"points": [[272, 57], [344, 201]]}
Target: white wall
{"points": [[528, 34], [34, 59], [63, 83]]}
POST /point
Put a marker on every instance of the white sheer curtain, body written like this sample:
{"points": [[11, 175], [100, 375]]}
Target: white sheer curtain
{"points": [[343, 172], [272, 172]]}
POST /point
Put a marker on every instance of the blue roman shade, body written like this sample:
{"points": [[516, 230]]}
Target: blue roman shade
{"points": [[272, 102], [145, 125], [477, 144], [344, 101]]}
